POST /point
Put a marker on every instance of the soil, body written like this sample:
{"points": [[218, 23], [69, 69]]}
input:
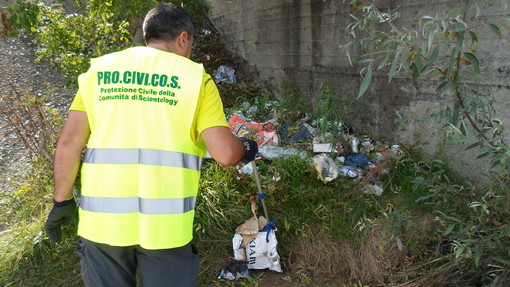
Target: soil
{"points": [[18, 71]]}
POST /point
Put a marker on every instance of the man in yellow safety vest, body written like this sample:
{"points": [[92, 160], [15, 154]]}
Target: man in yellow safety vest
{"points": [[148, 116]]}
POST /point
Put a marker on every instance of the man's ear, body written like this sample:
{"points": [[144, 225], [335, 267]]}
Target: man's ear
{"points": [[183, 39]]}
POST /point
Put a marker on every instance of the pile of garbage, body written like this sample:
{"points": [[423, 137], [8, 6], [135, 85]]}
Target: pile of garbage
{"points": [[333, 154]]}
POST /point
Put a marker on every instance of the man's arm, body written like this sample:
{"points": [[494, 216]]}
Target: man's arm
{"points": [[70, 145], [223, 146]]}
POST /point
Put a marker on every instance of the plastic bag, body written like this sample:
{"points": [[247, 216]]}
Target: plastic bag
{"points": [[261, 252], [234, 271], [326, 167], [225, 74], [262, 133]]}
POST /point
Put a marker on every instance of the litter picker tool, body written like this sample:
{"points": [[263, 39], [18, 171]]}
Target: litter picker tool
{"points": [[261, 193], [254, 243]]}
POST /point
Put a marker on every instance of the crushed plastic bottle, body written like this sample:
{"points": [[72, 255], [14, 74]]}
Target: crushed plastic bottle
{"points": [[271, 151], [354, 144], [395, 149], [348, 171], [246, 169]]}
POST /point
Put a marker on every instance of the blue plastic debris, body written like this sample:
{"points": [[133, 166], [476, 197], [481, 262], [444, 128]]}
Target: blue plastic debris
{"points": [[225, 74]]}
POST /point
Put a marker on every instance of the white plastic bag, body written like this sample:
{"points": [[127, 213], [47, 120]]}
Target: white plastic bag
{"points": [[260, 253]]}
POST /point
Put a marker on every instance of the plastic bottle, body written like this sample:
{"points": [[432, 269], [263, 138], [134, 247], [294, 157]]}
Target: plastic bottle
{"points": [[348, 171], [270, 151]]}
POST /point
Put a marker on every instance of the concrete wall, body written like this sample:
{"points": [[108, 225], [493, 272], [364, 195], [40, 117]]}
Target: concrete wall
{"points": [[296, 43]]}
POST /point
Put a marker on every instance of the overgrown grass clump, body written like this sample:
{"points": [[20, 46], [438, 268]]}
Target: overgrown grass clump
{"points": [[27, 258]]}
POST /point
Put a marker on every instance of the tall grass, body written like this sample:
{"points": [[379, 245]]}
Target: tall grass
{"points": [[27, 258]]}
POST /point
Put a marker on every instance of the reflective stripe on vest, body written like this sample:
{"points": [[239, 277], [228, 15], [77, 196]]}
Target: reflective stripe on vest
{"points": [[136, 204], [143, 156]]}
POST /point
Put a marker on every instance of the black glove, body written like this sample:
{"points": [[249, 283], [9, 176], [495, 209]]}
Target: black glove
{"points": [[61, 214], [251, 149]]}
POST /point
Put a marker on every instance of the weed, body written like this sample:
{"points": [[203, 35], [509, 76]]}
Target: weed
{"points": [[34, 123]]}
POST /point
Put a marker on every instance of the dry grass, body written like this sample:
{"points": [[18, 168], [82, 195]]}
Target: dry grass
{"points": [[325, 256]]}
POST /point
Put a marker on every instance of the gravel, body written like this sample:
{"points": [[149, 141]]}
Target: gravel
{"points": [[17, 67]]}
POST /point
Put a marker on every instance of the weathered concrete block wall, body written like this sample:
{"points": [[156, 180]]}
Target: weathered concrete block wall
{"points": [[296, 43]]}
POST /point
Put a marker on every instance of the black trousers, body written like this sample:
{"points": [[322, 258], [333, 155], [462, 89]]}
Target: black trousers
{"points": [[104, 265]]}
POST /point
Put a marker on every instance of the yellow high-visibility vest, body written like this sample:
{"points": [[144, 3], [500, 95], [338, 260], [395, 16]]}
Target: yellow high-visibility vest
{"points": [[141, 169]]}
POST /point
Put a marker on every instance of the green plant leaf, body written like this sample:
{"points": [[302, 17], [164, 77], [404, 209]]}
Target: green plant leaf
{"points": [[495, 29], [394, 65], [399, 244], [366, 82], [473, 146], [483, 155], [453, 59], [416, 75], [419, 64], [448, 217], [348, 54], [434, 54], [361, 60], [427, 17], [460, 25], [502, 260], [478, 254], [463, 127], [477, 7], [455, 114], [430, 39], [474, 61], [474, 39], [383, 62], [464, 10], [449, 229]]}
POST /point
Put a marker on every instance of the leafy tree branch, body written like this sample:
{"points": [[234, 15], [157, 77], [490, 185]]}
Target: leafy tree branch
{"points": [[444, 50]]}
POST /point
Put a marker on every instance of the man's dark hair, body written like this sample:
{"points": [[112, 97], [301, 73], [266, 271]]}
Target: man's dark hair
{"points": [[165, 22]]}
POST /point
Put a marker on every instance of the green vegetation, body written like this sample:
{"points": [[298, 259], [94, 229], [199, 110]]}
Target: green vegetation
{"points": [[70, 38], [445, 50], [427, 229], [25, 250]]}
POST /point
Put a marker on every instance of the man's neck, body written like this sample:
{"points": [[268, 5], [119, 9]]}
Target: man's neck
{"points": [[162, 46]]}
